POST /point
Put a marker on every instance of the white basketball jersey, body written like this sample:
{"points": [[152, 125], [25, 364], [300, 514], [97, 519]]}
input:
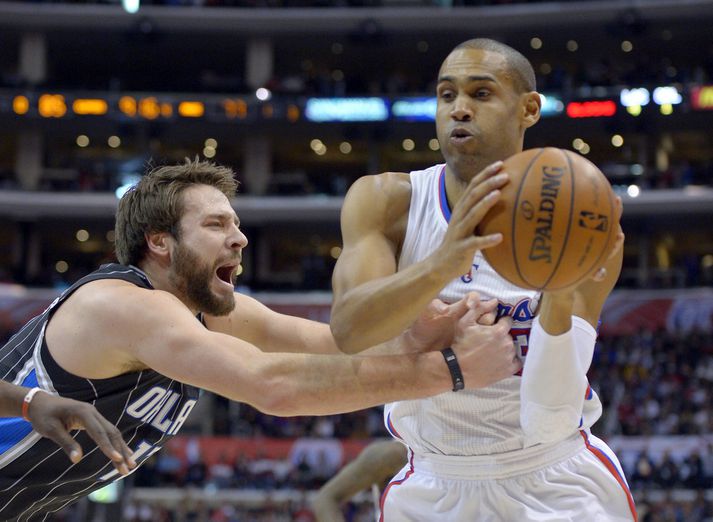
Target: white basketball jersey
{"points": [[468, 422]]}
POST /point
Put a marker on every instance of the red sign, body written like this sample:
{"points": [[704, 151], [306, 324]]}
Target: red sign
{"points": [[591, 109], [702, 97]]}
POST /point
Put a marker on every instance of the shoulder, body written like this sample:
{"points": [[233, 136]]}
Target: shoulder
{"points": [[378, 201], [118, 301], [389, 185]]}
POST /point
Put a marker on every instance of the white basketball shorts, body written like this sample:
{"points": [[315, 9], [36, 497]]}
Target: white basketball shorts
{"points": [[575, 480]]}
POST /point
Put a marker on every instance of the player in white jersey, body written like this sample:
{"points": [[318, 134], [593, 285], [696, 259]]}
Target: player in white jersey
{"points": [[520, 448]]}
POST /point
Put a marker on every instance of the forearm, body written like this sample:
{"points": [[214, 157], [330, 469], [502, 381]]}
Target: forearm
{"points": [[379, 310], [11, 398], [289, 385], [555, 314], [554, 381]]}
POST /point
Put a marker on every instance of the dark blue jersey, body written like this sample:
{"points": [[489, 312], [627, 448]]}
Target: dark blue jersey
{"points": [[36, 476]]}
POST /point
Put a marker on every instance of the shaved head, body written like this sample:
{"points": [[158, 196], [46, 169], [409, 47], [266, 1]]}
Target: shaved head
{"points": [[523, 76]]}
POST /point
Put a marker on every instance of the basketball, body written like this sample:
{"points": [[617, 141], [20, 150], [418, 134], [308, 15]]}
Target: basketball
{"points": [[558, 219]]}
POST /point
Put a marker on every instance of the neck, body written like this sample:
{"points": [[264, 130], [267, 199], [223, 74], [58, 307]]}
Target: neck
{"points": [[160, 279], [455, 186]]}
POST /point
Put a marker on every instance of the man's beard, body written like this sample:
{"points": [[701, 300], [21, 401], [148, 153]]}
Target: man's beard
{"points": [[193, 278]]}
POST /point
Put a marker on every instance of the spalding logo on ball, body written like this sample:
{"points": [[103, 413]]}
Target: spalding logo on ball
{"points": [[558, 219]]}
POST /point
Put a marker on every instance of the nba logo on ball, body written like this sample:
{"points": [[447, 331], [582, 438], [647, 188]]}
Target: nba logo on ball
{"points": [[557, 217], [593, 221]]}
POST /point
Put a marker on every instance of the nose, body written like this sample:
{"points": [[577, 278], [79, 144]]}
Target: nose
{"points": [[237, 238], [461, 109]]}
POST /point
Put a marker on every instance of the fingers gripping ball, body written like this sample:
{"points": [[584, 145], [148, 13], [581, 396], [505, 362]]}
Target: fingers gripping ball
{"points": [[558, 218]]}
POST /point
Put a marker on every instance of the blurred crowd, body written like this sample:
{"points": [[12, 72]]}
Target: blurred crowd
{"points": [[655, 383]]}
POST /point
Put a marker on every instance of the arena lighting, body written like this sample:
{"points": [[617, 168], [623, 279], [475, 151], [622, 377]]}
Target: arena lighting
{"points": [[591, 109], [702, 97], [346, 109], [20, 105], [263, 94], [293, 112], [235, 108], [634, 97], [128, 106], [51, 106], [90, 106], [191, 109], [667, 96], [414, 109], [551, 105], [633, 191], [634, 110], [131, 6], [634, 100], [149, 108]]}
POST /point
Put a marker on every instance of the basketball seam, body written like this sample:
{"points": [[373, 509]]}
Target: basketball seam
{"points": [[569, 221], [611, 208], [514, 216]]}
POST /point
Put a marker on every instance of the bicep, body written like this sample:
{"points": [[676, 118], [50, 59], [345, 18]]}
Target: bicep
{"points": [[368, 258], [368, 253], [271, 331], [167, 338]]}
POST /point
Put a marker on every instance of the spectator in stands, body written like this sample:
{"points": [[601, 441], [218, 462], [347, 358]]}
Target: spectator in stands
{"points": [[169, 468], [667, 473], [220, 473]]}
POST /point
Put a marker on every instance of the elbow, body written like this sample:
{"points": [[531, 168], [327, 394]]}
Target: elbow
{"points": [[343, 332], [274, 400], [271, 394], [547, 424], [343, 337]]}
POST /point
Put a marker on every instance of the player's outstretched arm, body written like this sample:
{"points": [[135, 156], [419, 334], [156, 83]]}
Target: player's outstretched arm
{"points": [[53, 417], [271, 331], [376, 464], [152, 329], [372, 301]]}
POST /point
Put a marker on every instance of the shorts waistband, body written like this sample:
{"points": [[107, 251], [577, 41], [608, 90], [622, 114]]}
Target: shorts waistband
{"points": [[498, 466]]}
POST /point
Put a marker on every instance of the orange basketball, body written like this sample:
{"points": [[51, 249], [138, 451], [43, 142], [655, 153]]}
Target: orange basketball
{"points": [[558, 219]]}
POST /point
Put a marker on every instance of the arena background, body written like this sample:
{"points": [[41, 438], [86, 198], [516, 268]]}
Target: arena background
{"points": [[302, 97]]}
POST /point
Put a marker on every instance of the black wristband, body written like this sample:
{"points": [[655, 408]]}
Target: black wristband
{"points": [[454, 368]]}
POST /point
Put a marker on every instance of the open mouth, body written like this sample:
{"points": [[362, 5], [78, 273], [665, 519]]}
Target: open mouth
{"points": [[461, 134], [226, 273]]}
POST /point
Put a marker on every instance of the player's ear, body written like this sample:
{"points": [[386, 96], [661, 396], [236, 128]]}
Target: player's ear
{"points": [[158, 243], [531, 103]]}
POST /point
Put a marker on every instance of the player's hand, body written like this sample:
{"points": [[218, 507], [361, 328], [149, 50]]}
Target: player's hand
{"points": [[53, 417], [460, 241], [486, 352], [590, 284], [435, 328]]}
